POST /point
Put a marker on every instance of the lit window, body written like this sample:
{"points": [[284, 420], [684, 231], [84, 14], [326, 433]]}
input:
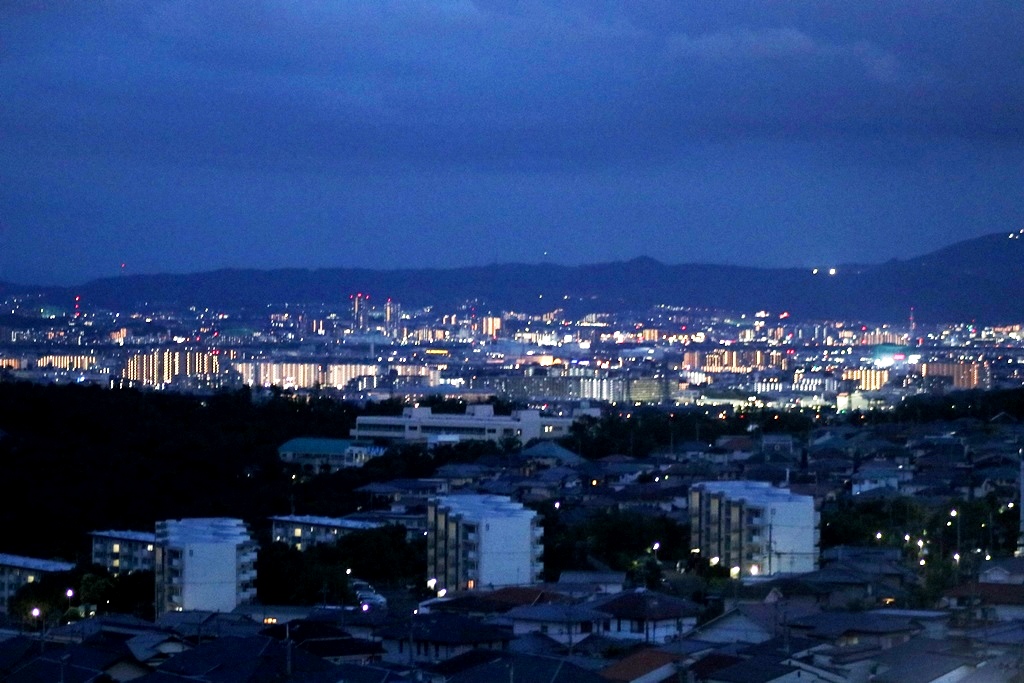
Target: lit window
{"points": [[31, 578], [115, 563], [297, 533], [116, 548], [149, 548]]}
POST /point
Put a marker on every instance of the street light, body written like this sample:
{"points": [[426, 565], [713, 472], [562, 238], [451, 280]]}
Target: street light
{"points": [[655, 548], [956, 556], [70, 593]]}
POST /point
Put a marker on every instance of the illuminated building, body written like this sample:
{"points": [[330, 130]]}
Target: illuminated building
{"points": [[303, 531], [204, 563], [970, 375], [360, 302], [123, 552], [478, 423], [883, 336], [482, 541], [16, 571], [67, 362], [339, 375], [648, 389], [753, 528], [693, 360], [868, 379], [163, 366], [814, 382], [275, 374], [490, 326]]}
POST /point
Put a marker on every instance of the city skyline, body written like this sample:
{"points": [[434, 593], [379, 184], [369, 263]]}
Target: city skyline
{"points": [[188, 137]]}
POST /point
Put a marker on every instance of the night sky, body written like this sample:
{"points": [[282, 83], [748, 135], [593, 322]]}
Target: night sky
{"points": [[186, 136]]}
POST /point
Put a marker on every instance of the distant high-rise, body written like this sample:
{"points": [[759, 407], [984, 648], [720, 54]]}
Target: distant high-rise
{"points": [[360, 303], [490, 325]]}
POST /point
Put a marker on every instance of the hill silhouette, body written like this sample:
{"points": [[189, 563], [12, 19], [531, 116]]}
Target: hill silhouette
{"points": [[974, 280]]}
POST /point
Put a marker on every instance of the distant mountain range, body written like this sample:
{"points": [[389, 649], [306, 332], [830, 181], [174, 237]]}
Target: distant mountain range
{"points": [[979, 280]]}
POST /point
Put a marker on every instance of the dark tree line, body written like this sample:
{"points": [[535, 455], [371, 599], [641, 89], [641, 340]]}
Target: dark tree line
{"points": [[78, 459]]}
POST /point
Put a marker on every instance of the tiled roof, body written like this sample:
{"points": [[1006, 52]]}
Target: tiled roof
{"points": [[645, 605], [449, 629], [638, 664]]}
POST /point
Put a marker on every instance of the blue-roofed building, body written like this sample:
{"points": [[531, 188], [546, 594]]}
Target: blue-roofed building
{"points": [[317, 455], [302, 531], [123, 552], [16, 571]]}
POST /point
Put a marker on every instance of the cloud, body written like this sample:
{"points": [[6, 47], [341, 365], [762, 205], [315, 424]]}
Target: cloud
{"points": [[492, 82]]}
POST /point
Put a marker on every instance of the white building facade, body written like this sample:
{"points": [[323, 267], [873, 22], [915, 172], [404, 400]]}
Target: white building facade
{"points": [[479, 541], [204, 563], [754, 528], [478, 423]]}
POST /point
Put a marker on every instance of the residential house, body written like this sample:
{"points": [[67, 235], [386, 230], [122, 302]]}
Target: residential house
{"points": [[645, 616]]}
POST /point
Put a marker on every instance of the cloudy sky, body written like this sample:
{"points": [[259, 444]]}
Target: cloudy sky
{"points": [[177, 136]]}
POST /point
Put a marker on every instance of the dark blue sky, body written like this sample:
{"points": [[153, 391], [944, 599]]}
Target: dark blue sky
{"points": [[184, 136]]}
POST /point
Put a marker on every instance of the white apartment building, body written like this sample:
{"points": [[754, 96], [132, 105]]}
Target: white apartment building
{"points": [[302, 531], [204, 563], [479, 541], [123, 551], [16, 571], [479, 422], [753, 528]]}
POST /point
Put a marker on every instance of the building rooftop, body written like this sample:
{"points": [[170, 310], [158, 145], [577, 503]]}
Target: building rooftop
{"points": [[35, 564], [315, 445], [203, 530], [484, 505], [140, 536], [314, 520], [751, 491]]}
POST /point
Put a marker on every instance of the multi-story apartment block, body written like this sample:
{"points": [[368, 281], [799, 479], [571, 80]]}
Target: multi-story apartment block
{"points": [[75, 362], [753, 528], [482, 541], [204, 563], [970, 375], [479, 422], [868, 379], [161, 367], [16, 571], [302, 531], [123, 551]]}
